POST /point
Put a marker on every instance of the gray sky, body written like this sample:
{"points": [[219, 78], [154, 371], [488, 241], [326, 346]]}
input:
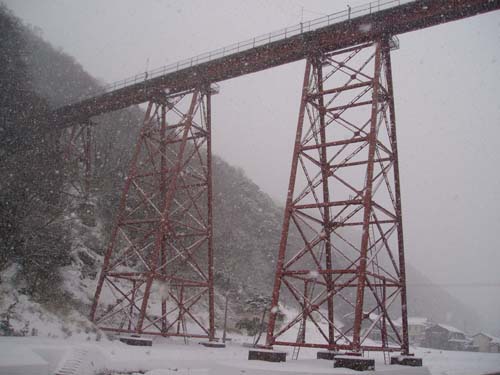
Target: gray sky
{"points": [[447, 84]]}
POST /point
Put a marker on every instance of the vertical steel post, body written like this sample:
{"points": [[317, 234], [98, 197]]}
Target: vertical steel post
{"points": [[386, 53], [162, 229], [344, 169], [131, 309], [367, 202], [288, 210], [163, 192], [304, 316], [383, 335], [163, 233], [224, 329], [87, 154], [210, 254], [121, 208], [325, 171], [78, 151]]}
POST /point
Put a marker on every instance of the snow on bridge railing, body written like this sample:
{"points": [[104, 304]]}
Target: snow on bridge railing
{"points": [[258, 41]]}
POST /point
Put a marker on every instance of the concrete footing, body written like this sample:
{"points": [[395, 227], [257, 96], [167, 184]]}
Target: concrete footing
{"points": [[136, 341], [354, 363], [266, 355], [213, 344], [327, 354], [406, 360]]}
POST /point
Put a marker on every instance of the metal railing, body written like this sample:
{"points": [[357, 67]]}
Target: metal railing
{"points": [[258, 41]]}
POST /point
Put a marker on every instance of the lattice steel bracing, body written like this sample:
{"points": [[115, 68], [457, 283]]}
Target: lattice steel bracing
{"points": [[157, 275], [77, 143], [344, 284]]}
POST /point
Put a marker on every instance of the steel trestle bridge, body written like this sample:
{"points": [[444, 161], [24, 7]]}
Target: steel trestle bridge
{"points": [[343, 202]]}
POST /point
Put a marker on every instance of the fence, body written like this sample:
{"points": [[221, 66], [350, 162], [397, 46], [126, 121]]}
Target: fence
{"points": [[258, 41]]}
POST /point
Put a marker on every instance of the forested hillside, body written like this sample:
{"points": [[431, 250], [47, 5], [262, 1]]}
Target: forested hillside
{"points": [[30, 230]]}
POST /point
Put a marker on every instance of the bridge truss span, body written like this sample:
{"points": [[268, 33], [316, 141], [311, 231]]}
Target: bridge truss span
{"points": [[344, 286], [346, 280], [331, 33], [157, 274]]}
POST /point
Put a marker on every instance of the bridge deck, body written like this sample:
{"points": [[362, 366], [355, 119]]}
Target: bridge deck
{"points": [[395, 20]]}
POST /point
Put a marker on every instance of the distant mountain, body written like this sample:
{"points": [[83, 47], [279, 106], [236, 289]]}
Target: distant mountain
{"points": [[433, 302]]}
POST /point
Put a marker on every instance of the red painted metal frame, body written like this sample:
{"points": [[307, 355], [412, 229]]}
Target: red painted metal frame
{"points": [[78, 155], [157, 274], [348, 212], [398, 20], [161, 245]]}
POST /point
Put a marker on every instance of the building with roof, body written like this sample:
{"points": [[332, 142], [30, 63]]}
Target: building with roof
{"points": [[486, 343], [441, 336], [416, 328]]}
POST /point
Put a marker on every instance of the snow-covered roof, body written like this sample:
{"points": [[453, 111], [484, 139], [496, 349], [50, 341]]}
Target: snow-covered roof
{"points": [[413, 320], [459, 340], [494, 340], [450, 328]]}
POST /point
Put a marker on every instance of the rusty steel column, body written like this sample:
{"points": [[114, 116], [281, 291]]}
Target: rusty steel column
{"points": [[78, 156], [288, 212], [121, 212], [158, 269], [163, 192], [386, 52], [210, 253], [87, 145], [164, 224], [342, 232], [131, 308], [325, 171], [367, 202]]}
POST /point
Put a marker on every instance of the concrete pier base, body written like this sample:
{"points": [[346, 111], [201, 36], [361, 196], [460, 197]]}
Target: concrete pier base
{"points": [[266, 355], [354, 363], [327, 354], [406, 360], [213, 344], [136, 341]]}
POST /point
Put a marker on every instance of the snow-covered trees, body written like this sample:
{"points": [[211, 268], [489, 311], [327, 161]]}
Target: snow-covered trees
{"points": [[31, 175]]}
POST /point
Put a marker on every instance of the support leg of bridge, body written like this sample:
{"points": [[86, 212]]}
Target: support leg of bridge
{"points": [[406, 360], [267, 355], [327, 354], [157, 274], [341, 244], [354, 363], [213, 344], [78, 156]]}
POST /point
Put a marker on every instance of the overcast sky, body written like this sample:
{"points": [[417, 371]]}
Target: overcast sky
{"points": [[447, 86]]}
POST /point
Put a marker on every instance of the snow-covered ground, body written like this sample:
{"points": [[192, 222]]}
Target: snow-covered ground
{"points": [[67, 345], [37, 355]]}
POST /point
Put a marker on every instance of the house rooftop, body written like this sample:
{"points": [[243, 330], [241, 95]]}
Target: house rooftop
{"points": [[450, 328], [494, 340], [413, 320], [464, 341]]}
